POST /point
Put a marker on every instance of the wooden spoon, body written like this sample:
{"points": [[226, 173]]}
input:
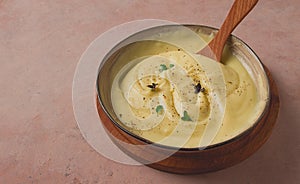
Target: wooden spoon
{"points": [[238, 11]]}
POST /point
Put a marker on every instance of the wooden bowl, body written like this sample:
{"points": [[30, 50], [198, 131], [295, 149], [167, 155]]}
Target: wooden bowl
{"points": [[191, 160]]}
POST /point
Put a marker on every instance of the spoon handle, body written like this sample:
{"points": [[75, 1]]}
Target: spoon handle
{"points": [[238, 11]]}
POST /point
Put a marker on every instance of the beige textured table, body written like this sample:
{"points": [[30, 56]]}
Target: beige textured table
{"points": [[41, 43]]}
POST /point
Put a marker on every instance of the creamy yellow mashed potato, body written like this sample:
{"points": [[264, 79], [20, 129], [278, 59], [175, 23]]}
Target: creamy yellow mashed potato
{"points": [[170, 96]]}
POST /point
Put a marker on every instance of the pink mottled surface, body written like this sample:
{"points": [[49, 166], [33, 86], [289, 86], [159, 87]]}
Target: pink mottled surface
{"points": [[40, 44]]}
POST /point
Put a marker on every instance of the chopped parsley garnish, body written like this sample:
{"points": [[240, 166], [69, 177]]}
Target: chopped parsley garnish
{"points": [[162, 67], [159, 109], [186, 117]]}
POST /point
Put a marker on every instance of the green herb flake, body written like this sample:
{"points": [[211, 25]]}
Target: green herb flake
{"points": [[172, 65], [162, 67], [159, 109], [186, 117]]}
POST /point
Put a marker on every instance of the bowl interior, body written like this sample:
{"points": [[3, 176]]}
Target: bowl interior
{"points": [[109, 69]]}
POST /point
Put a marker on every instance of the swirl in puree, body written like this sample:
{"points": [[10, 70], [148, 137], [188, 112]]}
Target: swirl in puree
{"points": [[168, 95]]}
